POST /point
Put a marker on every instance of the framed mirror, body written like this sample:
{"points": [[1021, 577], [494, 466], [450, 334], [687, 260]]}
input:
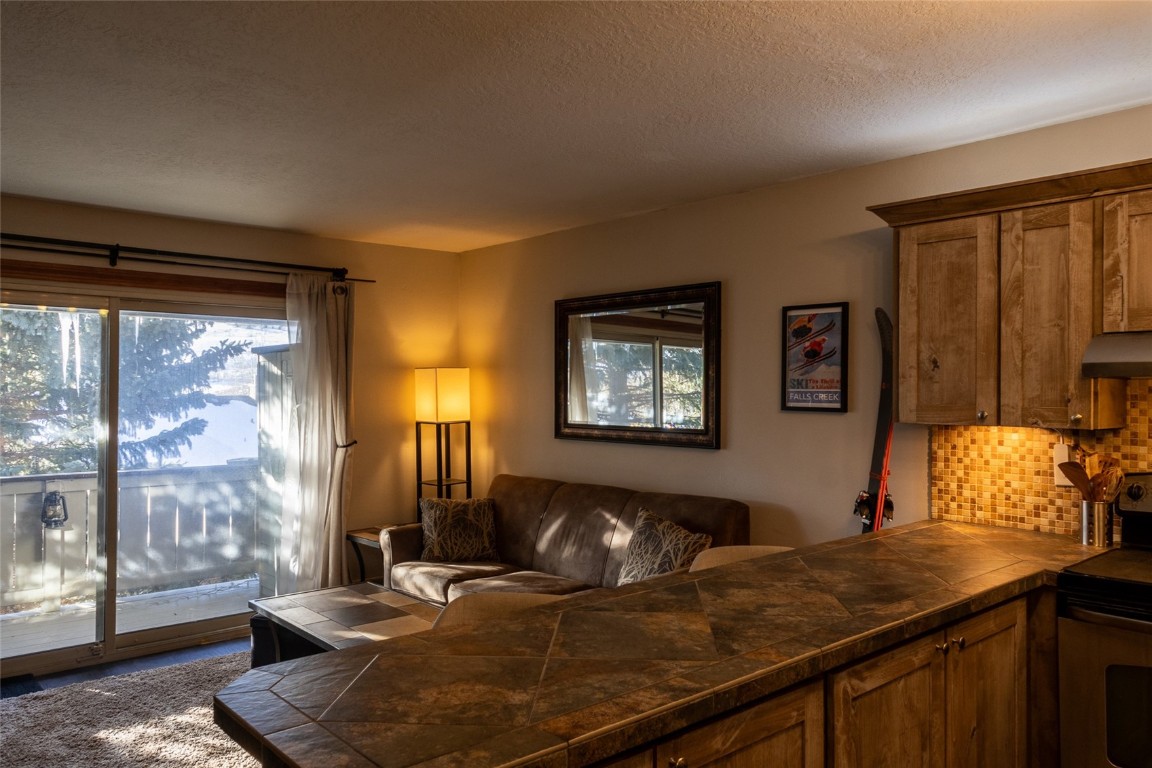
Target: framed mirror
{"points": [[640, 367]]}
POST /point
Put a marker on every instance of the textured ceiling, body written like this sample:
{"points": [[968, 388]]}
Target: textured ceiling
{"points": [[454, 125]]}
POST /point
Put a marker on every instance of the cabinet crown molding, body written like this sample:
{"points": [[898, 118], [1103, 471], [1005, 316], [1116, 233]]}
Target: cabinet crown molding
{"points": [[1042, 191]]}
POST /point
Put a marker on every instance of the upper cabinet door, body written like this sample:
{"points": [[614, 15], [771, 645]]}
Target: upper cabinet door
{"points": [[1045, 315], [948, 336], [1128, 262]]}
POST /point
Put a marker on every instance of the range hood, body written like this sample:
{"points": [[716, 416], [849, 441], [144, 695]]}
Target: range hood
{"points": [[1119, 356]]}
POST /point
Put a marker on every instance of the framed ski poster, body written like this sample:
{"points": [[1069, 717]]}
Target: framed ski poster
{"points": [[814, 370]]}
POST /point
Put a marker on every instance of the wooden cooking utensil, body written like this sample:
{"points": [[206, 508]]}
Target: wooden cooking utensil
{"points": [[1099, 486], [1091, 464], [1079, 477], [1113, 478]]}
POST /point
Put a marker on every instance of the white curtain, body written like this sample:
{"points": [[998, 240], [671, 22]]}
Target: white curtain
{"points": [[319, 450], [581, 358]]}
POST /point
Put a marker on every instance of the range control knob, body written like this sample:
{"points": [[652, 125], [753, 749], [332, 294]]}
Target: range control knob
{"points": [[1136, 492]]}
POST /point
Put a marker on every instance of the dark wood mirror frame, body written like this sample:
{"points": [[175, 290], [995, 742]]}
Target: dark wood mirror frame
{"points": [[707, 294]]}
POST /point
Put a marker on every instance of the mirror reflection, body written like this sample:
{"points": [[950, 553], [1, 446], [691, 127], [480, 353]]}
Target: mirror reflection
{"points": [[639, 367]]}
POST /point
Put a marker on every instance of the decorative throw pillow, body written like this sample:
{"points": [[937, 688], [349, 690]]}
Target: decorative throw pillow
{"points": [[458, 530], [659, 546]]}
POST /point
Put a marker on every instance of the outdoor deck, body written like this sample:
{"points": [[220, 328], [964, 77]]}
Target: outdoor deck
{"points": [[75, 625], [179, 530]]}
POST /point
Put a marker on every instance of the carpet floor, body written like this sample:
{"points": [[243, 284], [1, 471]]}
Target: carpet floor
{"points": [[159, 718]]}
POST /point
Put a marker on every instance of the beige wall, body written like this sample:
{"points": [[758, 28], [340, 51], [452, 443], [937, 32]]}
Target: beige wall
{"points": [[406, 319], [807, 241]]}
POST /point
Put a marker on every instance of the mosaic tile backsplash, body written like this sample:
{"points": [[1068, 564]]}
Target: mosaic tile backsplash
{"points": [[1003, 475]]}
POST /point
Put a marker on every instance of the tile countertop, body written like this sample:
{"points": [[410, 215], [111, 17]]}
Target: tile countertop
{"points": [[579, 680]]}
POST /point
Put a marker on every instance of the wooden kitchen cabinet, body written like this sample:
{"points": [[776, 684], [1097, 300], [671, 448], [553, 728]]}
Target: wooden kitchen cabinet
{"points": [[1046, 321], [995, 314], [1127, 262], [948, 336], [786, 731], [999, 291], [637, 760], [890, 710], [952, 699], [987, 689]]}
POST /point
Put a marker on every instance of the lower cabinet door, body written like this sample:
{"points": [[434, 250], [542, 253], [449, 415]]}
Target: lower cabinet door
{"points": [[988, 689], [787, 730], [956, 699], [889, 710], [638, 760]]}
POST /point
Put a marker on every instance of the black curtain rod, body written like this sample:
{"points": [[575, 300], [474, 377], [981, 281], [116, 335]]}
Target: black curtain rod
{"points": [[116, 252]]}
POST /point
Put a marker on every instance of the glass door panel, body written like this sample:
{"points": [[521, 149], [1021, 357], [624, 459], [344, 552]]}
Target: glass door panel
{"points": [[51, 522], [191, 472]]}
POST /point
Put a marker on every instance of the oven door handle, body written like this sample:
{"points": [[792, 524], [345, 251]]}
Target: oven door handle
{"points": [[1107, 619]]}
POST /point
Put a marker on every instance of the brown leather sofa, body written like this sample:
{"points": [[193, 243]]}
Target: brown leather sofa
{"points": [[554, 538]]}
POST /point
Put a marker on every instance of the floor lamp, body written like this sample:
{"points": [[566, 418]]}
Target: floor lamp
{"points": [[443, 403]]}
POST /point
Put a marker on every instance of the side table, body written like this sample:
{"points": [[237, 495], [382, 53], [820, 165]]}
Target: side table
{"points": [[364, 537]]}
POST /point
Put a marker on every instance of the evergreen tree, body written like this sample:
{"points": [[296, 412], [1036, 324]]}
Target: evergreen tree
{"points": [[51, 384], [683, 387], [624, 373], [49, 390]]}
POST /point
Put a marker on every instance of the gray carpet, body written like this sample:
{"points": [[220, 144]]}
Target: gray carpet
{"points": [[160, 718]]}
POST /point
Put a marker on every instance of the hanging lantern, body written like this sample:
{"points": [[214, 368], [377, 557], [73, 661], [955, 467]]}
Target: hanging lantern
{"points": [[54, 512]]}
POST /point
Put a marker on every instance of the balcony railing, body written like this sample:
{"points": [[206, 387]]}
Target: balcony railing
{"points": [[177, 527]]}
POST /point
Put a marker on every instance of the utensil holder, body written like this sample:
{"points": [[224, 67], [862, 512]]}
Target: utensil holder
{"points": [[1096, 523]]}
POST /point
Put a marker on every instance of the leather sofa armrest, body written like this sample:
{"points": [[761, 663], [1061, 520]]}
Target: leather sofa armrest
{"points": [[400, 544]]}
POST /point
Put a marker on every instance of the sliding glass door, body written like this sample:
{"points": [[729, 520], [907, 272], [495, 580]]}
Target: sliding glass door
{"points": [[52, 533], [188, 466], [171, 518]]}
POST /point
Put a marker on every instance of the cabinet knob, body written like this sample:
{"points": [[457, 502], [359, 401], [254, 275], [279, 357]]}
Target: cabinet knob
{"points": [[981, 415], [677, 762], [943, 648], [959, 642], [1076, 418]]}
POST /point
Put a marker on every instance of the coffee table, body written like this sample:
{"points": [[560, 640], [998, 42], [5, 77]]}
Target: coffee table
{"points": [[299, 624]]}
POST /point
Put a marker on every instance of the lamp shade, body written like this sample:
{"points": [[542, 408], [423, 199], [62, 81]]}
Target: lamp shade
{"points": [[442, 394]]}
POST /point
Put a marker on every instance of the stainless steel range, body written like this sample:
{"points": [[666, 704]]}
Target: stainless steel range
{"points": [[1105, 638]]}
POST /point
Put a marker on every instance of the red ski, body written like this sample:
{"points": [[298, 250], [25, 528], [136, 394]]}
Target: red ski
{"points": [[874, 504]]}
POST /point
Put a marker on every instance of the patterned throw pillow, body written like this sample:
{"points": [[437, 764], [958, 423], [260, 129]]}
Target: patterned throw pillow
{"points": [[659, 546], [458, 530]]}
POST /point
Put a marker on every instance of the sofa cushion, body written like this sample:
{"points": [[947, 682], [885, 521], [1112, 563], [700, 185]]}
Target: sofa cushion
{"points": [[430, 581], [519, 581], [458, 530], [659, 546], [520, 504], [725, 520], [577, 529]]}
